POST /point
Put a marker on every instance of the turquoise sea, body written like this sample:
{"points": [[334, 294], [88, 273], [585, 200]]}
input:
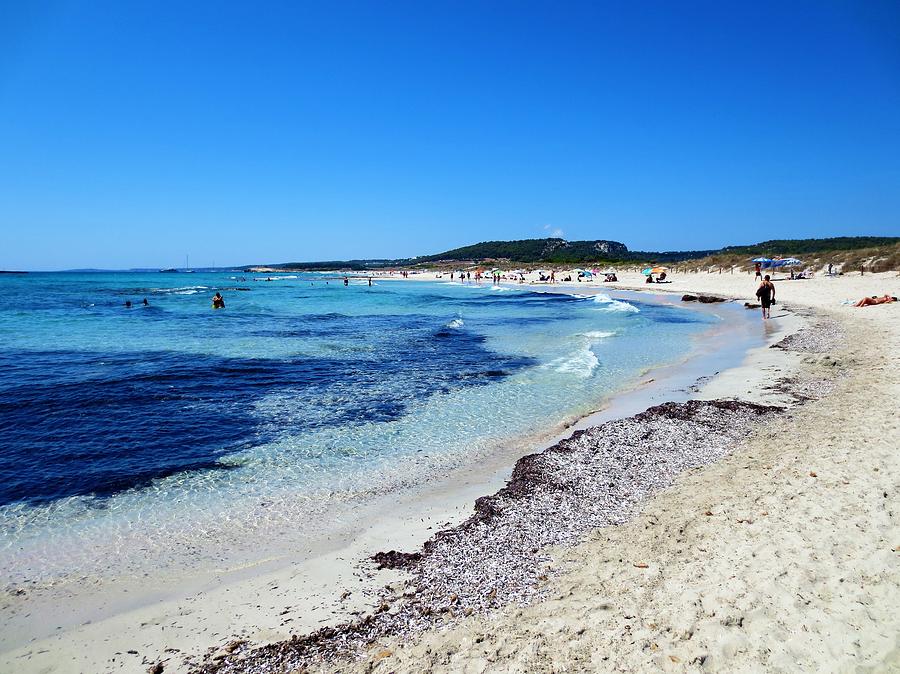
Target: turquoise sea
{"points": [[163, 425]]}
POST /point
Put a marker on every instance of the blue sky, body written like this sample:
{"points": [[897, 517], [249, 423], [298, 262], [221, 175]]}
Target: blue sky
{"points": [[134, 133]]}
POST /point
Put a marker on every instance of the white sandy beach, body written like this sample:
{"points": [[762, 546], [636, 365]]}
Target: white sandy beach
{"points": [[789, 571]]}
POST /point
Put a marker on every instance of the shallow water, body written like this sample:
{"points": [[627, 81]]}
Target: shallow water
{"points": [[130, 431]]}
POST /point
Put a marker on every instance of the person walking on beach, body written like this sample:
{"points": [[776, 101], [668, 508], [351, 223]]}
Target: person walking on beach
{"points": [[758, 271], [766, 295]]}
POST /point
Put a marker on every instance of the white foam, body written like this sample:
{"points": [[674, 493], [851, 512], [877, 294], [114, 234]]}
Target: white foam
{"points": [[609, 304], [184, 290], [583, 361], [456, 323]]}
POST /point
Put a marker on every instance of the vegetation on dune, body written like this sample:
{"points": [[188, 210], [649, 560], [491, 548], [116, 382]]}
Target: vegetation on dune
{"points": [[797, 247], [872, 259]]}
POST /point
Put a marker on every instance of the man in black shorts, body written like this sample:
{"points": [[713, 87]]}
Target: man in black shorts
{"points": [[766, 295]]}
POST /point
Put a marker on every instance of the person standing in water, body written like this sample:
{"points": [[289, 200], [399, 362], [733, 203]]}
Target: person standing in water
{"points": [[218, 302], [346, 281], [766, 295]]}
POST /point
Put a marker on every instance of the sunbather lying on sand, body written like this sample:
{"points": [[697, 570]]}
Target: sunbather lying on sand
{"points": [[866, 301]]}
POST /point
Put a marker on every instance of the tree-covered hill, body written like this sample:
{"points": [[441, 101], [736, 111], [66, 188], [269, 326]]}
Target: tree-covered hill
{"points": [[534, 250]]}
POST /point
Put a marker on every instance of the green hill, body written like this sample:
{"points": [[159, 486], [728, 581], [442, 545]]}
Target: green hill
{"points": [[534, 250]]}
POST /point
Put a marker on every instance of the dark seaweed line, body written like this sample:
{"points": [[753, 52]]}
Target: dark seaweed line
{"points": [[498, 556]]}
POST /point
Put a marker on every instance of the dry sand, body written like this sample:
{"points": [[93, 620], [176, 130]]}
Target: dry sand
{"points": [[784, 556]]}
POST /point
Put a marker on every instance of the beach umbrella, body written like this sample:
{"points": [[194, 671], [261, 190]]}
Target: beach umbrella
{"points": [[791, 261], [659, 270], [764, 261], [648, 271]]}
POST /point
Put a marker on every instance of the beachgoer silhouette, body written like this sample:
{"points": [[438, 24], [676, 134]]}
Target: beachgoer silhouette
{"points": [[766, 295], [128, 304], [218, 302], [146, 303]]}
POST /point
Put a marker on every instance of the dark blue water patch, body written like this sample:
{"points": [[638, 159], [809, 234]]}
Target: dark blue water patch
{"points": [[76, 423]]}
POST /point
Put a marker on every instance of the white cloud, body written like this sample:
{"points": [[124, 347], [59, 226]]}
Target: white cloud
{"points": [[554, 232]]}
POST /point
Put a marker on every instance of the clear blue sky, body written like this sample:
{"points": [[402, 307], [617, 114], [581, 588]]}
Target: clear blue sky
{"points": [[132, 133]]}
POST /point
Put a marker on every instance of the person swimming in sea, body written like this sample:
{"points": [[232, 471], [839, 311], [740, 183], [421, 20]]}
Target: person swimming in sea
{"points": [[766, 295], [128, 304], [145, 302], [218, 302]]}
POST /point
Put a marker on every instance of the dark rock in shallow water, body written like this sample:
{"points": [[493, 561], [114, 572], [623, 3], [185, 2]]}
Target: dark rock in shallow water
{"points": [[705, 299]]}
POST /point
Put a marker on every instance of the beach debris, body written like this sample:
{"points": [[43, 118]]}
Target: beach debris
{"points": [[155, 668], [822, 336], [598, 477], [396, 560]]}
